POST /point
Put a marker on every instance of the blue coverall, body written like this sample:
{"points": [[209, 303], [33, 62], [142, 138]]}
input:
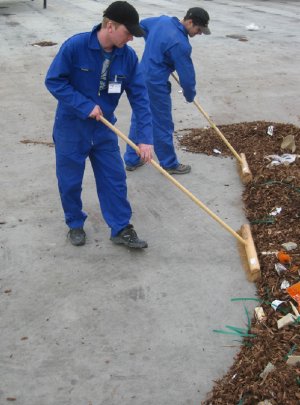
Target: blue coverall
{"points": [[74, 79], [167, 48]]}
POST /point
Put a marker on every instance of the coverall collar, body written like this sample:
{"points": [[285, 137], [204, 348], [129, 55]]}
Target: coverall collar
{"points": [[95, 45], [178, 24]]}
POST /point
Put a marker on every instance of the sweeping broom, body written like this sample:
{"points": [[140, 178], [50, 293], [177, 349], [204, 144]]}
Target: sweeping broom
{"points": [[245, 173], [243, 236]]}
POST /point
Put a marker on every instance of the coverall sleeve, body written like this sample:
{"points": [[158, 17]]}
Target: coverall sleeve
{"points": [[137, 94], [185, 69], [58, 83]]}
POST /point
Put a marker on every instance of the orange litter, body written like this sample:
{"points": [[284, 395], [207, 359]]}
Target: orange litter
{"points": [[283, 257], [294, 292]]}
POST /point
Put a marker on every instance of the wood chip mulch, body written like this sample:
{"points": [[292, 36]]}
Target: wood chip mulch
{"points": [[273, 187], [44, 43]]}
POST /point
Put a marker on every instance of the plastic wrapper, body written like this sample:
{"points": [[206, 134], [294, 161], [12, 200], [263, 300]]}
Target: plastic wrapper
{"points": [[294, 292], [280, 268]]}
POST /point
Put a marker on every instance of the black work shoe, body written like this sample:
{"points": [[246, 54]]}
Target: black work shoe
{"points": [[77, 236], [128, 237], [134, 167], [180, 169]]}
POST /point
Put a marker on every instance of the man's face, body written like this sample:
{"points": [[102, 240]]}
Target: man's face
{"points": [[119, 36], [192, 29]]}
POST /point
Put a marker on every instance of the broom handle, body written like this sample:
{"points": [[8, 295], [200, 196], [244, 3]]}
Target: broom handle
{"points": [[174, 181], [213, 125]]}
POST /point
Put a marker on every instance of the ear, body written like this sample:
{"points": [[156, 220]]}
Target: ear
{"points": [[110, 26]]}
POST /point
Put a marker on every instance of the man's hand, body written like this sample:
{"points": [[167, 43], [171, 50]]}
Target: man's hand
{"points": [[96, 113], [146, 152]]}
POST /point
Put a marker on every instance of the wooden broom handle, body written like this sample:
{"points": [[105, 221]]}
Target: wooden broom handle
{"points": [[174, 181], [213, 125]]}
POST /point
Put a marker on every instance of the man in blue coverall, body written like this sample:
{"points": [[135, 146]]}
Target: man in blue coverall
{"points": [[88, 76], [167, 48]]}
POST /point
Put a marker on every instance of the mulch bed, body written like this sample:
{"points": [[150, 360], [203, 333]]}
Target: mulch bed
{"points": [[272, 187]]}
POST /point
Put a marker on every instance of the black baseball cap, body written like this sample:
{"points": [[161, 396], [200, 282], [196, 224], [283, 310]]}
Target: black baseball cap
{"points": [[124, 13], [199, 17]]}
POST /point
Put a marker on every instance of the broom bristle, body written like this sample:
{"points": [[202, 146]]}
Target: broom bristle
{"points": [[244, 171], [248, 254]]}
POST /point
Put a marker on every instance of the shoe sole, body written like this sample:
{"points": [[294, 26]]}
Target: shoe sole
{"points": [[81, 243], [177, 172]]}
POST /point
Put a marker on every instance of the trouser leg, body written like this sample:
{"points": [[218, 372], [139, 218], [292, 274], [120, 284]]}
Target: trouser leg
{"points": [[131, 158], [163, 126], [70, 165], [111, 185]]}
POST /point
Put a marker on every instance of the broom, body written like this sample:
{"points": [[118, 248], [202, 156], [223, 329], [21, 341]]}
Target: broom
{"points": [[245, 173], [243, 236]]}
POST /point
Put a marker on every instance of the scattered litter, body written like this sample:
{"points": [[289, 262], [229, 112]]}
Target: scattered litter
{"points": [[252, 27], [267, 220], [294, 309], [265, 402], [284, 285], [275, 304], [268, 369], [280, 268], [293, 360], [179, 91], [295, 268], [294, 292], [260, 314], [286, 320], [284, 159], [289, 246], [270, 130], [269, 252], [289, 143], [283, 257], [217, 151], [276, 211]]}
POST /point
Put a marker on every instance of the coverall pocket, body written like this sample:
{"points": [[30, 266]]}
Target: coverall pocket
{"points": [[84, 78], [65, 146]]}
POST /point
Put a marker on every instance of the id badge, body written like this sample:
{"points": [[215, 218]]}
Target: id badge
{"points": [[114, 87]]}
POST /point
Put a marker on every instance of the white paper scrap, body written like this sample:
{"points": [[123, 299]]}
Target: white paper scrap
{"points": [[270, 130], [284, 285], [276, 211], [286, 159], [252, 27]]}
